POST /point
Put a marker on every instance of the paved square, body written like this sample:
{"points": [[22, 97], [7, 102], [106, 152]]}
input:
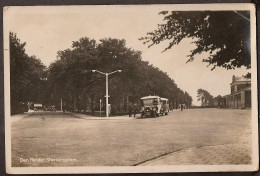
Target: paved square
{"points": [[194, 136]]}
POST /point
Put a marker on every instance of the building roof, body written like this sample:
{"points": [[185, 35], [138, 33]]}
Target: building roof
{"points": [[239, 80], [148, 97], [164, 99], [219, 96]]}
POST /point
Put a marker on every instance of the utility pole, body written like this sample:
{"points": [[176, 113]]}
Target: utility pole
{"points": [[61, 104], [107, 95], [100, 107]]}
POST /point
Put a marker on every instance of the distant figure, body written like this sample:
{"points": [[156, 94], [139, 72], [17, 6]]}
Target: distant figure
{"points": [[130, 111], [64, 109], [134, 111], [181, 107], [109, 109]]}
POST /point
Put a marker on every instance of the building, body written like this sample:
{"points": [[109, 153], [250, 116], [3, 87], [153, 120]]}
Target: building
{"points": [[219, 102], [240, 97]]}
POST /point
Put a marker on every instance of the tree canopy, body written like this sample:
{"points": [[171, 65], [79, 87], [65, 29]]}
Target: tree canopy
{"points": [[224, 35], [71, 78], [27, 76], [205, 97]]}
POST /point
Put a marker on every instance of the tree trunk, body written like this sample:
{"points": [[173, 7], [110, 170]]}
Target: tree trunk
{"points": [[92, 107], [125, 104], [74, 103]]}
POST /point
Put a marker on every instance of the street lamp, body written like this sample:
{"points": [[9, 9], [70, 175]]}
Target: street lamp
{"points": [[106, 85]]}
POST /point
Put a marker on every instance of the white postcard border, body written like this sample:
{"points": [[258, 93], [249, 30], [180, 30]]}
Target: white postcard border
{"points": [[138, 169]]}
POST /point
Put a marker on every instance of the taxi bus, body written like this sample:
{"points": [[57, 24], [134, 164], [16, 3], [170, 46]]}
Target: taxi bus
{"points": [[165, 106], [154, 106]]}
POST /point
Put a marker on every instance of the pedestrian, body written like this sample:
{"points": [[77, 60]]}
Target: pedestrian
{"points": [[64, 109], [181, 107], [134, 111], [130, 111]]}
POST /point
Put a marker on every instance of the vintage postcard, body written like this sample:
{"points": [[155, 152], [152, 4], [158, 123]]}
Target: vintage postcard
{"points": [[130, 88]]}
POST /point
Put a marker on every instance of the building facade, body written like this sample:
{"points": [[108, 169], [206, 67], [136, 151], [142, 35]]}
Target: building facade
{"points": [[219, 102], [240, 97]]}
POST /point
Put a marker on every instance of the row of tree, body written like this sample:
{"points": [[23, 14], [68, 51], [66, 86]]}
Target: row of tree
{"points": [[27, 76], [70, 77]]}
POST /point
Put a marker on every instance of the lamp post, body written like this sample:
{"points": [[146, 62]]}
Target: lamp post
{"points": [[106, 85]]}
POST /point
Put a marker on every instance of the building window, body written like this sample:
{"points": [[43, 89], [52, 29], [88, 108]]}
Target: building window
{"points": [[232, 89]]}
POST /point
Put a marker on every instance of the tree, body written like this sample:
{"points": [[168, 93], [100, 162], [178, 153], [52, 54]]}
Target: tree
{"points": [[71, 78], [27, 76], [67, 76], [225, 35], [205, 97], [188, 99]]}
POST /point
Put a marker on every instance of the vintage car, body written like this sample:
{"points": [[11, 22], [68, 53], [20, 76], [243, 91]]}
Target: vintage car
{"points": [[154, 106]]}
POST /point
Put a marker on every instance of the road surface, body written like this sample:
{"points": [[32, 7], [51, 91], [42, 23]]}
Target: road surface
{"points": [[195, 136]]}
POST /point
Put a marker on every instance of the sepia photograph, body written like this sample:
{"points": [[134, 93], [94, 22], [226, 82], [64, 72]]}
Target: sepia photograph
{"points": [[130, 88]]}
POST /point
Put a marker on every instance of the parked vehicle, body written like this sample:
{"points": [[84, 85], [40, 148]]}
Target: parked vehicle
{"points": [[154, 106], [165, 106], [50, 108], [37, 107]]}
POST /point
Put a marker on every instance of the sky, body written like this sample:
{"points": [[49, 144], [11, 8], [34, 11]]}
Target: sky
{"points": [[47, 30]]}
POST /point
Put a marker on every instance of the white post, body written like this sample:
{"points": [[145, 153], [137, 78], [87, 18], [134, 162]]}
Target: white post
{"points": [[107, 94], [100, 107], [61, 104]]}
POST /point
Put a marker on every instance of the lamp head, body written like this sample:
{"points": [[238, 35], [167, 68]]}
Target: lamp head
{"points": [[119, 71], [94, 71]]}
